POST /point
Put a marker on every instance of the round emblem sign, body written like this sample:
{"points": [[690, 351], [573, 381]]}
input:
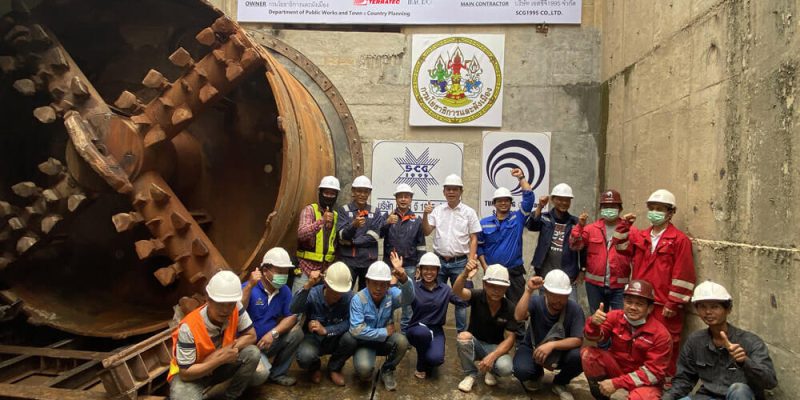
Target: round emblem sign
{"points": [[456, 80]]}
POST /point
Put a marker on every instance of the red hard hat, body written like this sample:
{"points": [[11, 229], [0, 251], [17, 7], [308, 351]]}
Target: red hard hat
{"points": [[610, 196], [640, 288]]}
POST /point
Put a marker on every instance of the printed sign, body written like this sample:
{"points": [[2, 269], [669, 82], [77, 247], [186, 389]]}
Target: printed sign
{"points": [[457, 80], [503, 151], [421, 165], [411, 12]]}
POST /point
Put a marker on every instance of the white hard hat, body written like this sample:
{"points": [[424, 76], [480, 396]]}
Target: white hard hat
{"points": [[562, 190], [430, 259], [224, 287], [497, 274], [338, 277], [330, 182], [662, 196], [501, 193], [710, 291], [379, 271], [453, 180], [557, 282], [278, 257], [362, 182], [403, 188]]}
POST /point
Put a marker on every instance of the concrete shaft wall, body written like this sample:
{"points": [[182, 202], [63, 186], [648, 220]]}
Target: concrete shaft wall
{"points": [[551, 84], [701, 102]]}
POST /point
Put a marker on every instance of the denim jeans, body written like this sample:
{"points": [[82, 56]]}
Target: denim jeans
{"points": [[450, 271], [240, 373], [394, 348], [407, 312], [526, 369], [611, 298], [283, 350], [737, 391], [475, 349], [313, 346]]}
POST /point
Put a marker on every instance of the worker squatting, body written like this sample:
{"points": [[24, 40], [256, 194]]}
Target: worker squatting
{"points": [[639, 284]]}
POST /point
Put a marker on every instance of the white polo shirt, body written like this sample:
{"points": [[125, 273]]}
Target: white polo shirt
{"points": [[453, 227]]}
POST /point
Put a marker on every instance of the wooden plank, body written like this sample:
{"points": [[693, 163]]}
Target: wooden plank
{"points": [[44, 393], [77, 376], [23, 357], [55, 353]]}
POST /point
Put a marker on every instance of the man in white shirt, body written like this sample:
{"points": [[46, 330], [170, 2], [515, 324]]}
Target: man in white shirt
{"points": [[456, 227]]}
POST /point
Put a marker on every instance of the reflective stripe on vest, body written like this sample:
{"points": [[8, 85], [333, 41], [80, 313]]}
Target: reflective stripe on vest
{"points": [[317, 255], [203, 344]]}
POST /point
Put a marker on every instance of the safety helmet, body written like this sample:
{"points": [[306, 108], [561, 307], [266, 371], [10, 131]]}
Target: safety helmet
{"points": [[278, 257], [710, 291], [453, 180], [403, 188], [640, 288], [502, 193], [562, 190], [497, 274], [662, 196], [379, 271], [610, 196], [330, 182], [557, 282], [224, 287], [338, 277], [430, 259], [362, 182]]}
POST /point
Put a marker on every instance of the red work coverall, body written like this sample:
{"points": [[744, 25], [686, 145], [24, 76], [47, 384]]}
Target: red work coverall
{"points": [[593, 238]]}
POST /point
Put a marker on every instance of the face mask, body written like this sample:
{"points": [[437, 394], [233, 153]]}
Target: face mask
{"points": [[279, 280], [637, 323], [656, 217], [609, 214]]}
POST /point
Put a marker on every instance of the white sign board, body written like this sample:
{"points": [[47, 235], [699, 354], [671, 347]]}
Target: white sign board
{"points": [[421, 165], [456, 80], [503, 151], [411, 12]]}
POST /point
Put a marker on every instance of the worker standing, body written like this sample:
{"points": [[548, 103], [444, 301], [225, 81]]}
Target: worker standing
{"points": [[640, 348], [455, 240], [316, 232], [662, 255], [731, 363], [358, 231], [402, 234], [500, 239], [607, 271]]}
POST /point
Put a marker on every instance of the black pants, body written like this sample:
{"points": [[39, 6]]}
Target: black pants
{"points": [[517, 277]]}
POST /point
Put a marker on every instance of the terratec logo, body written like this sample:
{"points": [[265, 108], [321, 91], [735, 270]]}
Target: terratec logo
{"points": [[367, 2]]}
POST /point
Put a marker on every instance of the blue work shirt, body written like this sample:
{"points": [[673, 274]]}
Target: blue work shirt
{"points": [[430, 306], [335, 318], [358, 247], [500, 242], [368, 321], [541, 321], [264, 313], [405, 237]]}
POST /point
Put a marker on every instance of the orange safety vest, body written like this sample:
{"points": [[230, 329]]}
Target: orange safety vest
{"points": [[202, 341]]}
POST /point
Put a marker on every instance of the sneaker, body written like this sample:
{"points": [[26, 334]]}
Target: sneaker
{"points": [[283, 380], [532, 385], [337, 378], [420, 374], [489, 379], [316, 376], [466, 384], [388, 380], [562, 392]]}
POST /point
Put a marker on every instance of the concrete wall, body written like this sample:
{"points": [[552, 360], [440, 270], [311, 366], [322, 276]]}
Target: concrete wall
{"points": [[701, 102], [551, 84]]}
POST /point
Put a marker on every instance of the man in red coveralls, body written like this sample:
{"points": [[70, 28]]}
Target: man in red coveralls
{"points": [[662, 255], [640, 347]]}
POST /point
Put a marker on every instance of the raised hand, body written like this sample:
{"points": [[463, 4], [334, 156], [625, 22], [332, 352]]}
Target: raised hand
{"points": [[543, 201], [630, 217], [535, 282], [583, 218], [392, 219], [255, 277], [428, 208], [471, 268], [599, 316], [735, 350], [314, 277], [397, 267], [328, 217], [359, 222], [517, 173]]}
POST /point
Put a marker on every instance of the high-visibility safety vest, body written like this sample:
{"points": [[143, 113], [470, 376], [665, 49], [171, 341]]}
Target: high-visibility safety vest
{"points": [[319, 254], [202, 341]]}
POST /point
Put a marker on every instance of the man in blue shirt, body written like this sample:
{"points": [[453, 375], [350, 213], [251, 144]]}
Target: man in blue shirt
{"points": [[500, 239], [371, 320], [358, 230], [402, 233], [327, 310], [268, 298]]}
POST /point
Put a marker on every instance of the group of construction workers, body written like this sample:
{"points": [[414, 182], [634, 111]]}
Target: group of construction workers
{"points": [[343, 301]]}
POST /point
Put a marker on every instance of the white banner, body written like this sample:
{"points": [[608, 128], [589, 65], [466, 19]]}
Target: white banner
{"points": [[411, 12], [421, 165], [456, 80], [503, 151]]}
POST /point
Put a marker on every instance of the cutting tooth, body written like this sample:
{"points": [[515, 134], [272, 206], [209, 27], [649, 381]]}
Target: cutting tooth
{"points": [[154, 79], [141, 119], [45, 114], [6, 259], [74, 201], [167, 275], [126, 100], [26, 87], [5, 209], [24, 243], [7, 64], [40, 36], [51, 167], [206, 37], [158, 194], [155, 135], [180, 223], [199, 248], [147, 248], [233, 71], [16, 223], [79, 88], [224, 26], [26, 189], [181, 114], [38, 207], [17, 32], [181, 58], [49, 222], [126, 221], [196, 277], [207, 92], [58, 60], [141, 199]]}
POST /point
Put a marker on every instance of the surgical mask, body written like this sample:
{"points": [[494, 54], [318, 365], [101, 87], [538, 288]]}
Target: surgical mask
{"points": [[609, 214], [656, 217], [279, 280], [636, 322]]}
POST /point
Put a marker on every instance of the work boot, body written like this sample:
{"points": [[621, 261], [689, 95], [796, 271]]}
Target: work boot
{"points": [[489, 379], [594, 388], [532, 385], [466, 384], [562, 392], [337, 378], [388, 380], [316, 376], [283, 380]]}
